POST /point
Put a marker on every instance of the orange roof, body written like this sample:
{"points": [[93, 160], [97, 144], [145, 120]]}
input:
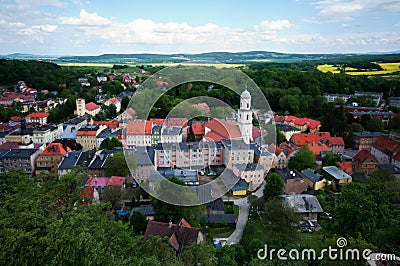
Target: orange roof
{"points": [[303, 121], [37, 115], [347, 167], [113, 100], [317, 148], [176, 122], [301, 139], [157, 121], [198, 128], [91, 106], [139, 127], [116, 181], [221, 129], [285, 146], [112, 124], [86, 133], [278, 118], [55, 149]]}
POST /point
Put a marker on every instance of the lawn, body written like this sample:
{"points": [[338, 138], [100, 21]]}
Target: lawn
{"points": [[220, 232]]}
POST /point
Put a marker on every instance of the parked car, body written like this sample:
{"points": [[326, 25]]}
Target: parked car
{"points": [[212, 173]]}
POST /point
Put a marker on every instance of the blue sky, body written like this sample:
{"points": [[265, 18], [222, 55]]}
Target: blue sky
{"points": [[92, 27]]}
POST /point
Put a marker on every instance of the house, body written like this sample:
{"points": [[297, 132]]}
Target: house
{"points": [[145, 163], [263, 157], [147, 211], [280, 159], [138, 133], [114, 101], [156, 134], [83, 108], [346, 166], [171, 134], [240, 188], [319, 143], [258, 135], [188, 155], [316, 181], [198, 129], [363, 140], [287, 130], [385, 117], [304, 124], [365, 162], [305, 205], [384, 149], [37, 117], [224, 218], [23, 159], [101, 79], [77, 121], [87, 136], [215, 207], [338, 175], [96, 166], [73, 159], [50, 158], [47, 133], [252, 173], [295, 182], [180, 235], [236, 151]]}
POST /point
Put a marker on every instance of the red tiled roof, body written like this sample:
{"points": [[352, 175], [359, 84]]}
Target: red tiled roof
{"points": [[113, 100], [139, 127], [91, 106], [176, 122], [55, 149], [180, 235], [285, 146], [278, 118], [157, 121], [258, 132], [317, 148], [347, 167], [385, 144], [86, 133], [37, 115], [97, 182], [362, 155], [110, 124], [301, 139], [312, 124], [198, 128], [116, 181], [15, 119], [221, 129]]}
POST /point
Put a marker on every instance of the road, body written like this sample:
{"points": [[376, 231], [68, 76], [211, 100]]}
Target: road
{"points": [[244, 207]]}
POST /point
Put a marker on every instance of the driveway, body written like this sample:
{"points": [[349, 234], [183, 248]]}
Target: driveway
{"points": [[244, 207]]}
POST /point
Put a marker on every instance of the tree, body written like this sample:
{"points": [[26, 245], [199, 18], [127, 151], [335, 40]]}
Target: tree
{"points": [[191, 137], [302, 160], [110, 143], [395, 123], [138, 222], [374, 125], [280, 137], [116, 165], [124, 103], [331, 159], [274, 186]]}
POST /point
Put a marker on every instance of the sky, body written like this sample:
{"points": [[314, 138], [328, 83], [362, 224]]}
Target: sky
{"points": [[94, 27]]}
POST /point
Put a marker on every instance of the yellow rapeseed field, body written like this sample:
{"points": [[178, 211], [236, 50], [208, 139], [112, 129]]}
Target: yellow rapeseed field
{"points": [[388, 68]]}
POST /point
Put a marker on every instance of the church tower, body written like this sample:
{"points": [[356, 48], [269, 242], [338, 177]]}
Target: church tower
{"points": [[245, 117]]}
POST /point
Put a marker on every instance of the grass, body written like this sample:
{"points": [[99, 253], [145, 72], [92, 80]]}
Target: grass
{"points": [[221, 232], [216, 65], [388, 68]]}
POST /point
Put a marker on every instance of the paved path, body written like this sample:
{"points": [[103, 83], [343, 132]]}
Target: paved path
{"points": [[244, 207]]}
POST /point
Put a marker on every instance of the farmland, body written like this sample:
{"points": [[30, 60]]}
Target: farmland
{"points": [[388, 68]]}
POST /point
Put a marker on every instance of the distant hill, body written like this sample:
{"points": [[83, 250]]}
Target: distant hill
{"points": [[212, 57]]}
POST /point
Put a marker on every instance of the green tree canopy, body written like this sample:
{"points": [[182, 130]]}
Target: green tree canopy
{"points": [[302, 160], [116, 165], [274, 186]]}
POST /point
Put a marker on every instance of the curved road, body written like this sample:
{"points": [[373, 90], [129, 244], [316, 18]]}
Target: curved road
{"points": [[244, 207]]}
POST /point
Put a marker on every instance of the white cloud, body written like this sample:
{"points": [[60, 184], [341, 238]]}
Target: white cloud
{"points": [[339, 10], [37, 29], [273, 25], [86, 19], [27, 4]]}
